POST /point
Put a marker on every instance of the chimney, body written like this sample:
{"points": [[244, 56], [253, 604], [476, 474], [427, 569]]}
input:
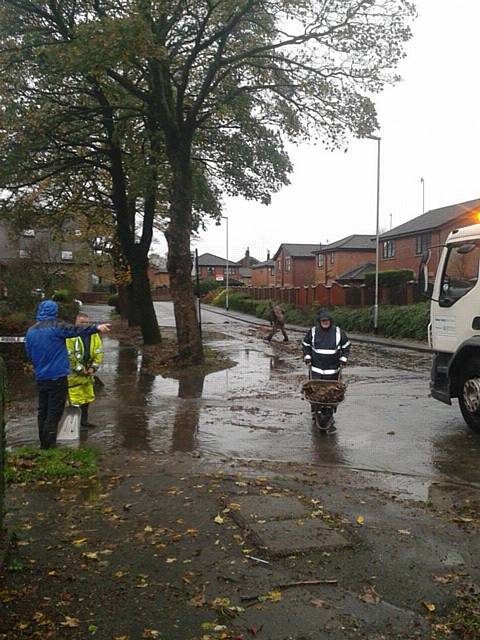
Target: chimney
{"points": [[247, 252], [268, 254]]}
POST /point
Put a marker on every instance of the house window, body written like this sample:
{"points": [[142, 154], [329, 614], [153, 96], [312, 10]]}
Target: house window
{"points": [[288, 264], [272, 270], [320, 260], [423, 242], [389, 249], [22, 253], [67, 255], [28, 233], [332, 258], [231, 270], [279, 265], [210, 271], [78, 232]]}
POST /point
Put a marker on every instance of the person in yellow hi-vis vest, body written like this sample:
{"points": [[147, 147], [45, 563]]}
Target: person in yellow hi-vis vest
{"points": [[85, 355]]}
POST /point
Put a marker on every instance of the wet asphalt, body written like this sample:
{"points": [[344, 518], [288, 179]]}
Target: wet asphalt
{"points": [[388, 427]]}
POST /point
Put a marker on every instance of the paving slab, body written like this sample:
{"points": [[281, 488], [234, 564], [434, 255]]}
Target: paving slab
{"points": [[286, 537], [256, 507], [328, 612]]}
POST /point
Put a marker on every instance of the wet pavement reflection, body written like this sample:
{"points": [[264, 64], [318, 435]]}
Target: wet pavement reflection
{"points": [[387, 425]]}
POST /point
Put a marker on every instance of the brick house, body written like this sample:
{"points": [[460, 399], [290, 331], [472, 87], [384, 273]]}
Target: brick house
{"points": [[71, 256], [159, 277], [245, 271], [402, 247], [213, 267], [294, 265], [334, 260], [263, 273]]}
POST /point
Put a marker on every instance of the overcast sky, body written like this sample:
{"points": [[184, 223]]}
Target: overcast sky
{"points": [[430, 128]]}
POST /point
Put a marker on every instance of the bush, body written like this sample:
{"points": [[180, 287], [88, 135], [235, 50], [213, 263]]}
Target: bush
{"points": [[408, 321], [390, 278], [208, 285], [62, 295], [113, 300]]}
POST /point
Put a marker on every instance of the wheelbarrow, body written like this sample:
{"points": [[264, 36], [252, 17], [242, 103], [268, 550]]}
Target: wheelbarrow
{"points": [[324, 397]]}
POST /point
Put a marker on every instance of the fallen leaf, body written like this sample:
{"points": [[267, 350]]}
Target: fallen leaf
{"points": [[218, 519], [91, 555], [370, 596], [170, 560], [70, 622], [360, 520], [405, 532], [319, 604], [79, 542], [148, 529], [429, 606], [447, 578], [271, 596], [151, 633]]}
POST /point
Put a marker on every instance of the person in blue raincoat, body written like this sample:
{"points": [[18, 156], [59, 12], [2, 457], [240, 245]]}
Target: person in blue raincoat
{"points": [[86, 355], [46, 348]]}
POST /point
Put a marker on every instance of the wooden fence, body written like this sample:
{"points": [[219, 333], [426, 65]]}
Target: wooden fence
{"points": [[334, 295]]}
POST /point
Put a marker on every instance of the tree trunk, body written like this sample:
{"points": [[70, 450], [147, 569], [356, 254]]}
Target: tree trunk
{"points": [[178, 235], [143, 299]]}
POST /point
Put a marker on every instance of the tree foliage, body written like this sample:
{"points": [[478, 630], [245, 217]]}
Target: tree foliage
{"points": [[160, 108]]}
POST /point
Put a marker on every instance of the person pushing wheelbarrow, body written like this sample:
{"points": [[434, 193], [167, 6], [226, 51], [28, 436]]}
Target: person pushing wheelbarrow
{"points": [[325, 351]]}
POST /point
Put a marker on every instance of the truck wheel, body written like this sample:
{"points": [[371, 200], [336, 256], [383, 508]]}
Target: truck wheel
{"points": [[469, 395]]}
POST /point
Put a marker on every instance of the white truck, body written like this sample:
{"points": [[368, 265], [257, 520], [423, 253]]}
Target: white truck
{"points": [[454, 329]]}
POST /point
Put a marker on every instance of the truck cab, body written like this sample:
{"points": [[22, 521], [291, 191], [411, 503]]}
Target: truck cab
{"points": [[454, 330]]}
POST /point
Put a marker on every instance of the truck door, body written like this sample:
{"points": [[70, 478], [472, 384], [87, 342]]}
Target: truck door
{"points": [[456, 297]]}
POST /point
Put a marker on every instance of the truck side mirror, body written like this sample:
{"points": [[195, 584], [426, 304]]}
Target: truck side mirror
{"points": [[463, 249], [423, 271]]}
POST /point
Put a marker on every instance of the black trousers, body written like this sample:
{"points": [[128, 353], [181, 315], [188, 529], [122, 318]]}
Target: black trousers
{"points": [[52, 395], [277, 327]]}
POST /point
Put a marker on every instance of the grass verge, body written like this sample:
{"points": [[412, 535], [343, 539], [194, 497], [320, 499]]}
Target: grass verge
{"points": [[30, 465], [462, 622]]}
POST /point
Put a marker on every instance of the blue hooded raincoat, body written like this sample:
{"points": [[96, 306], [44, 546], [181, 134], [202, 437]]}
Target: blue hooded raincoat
{"points": [[45, 342]]}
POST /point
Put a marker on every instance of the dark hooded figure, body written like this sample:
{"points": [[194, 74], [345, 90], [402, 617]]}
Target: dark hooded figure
{"points": [[325, 347], [325, 351], [46, 348], [277, 321]]}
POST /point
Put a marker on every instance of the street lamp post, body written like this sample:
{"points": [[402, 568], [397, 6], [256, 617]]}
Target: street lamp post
{"points": [[377, 236], [423, 194], [227, 267]]}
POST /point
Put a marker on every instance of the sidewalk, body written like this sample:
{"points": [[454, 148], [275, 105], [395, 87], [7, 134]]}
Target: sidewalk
{"points": [[395, 343], [177, 550]]}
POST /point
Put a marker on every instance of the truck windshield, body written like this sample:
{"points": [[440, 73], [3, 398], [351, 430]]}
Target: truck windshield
{"points": [[460, 274]]}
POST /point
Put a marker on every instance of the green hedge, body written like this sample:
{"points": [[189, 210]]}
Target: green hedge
{"points": [[390, 278], [409, 321]]}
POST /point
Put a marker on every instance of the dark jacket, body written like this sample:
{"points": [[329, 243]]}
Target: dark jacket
{"points": [[45, 342], [326, 349], [276, 316]]}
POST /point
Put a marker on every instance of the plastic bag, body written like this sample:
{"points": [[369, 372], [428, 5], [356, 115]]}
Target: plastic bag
{"points": [[69, 427]]}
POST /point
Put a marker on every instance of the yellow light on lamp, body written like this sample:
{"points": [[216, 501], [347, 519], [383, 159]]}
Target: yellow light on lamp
{"points": [[476, 216]]}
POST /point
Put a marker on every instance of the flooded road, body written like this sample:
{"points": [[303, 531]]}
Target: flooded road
{"points": [[387, 424]]}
